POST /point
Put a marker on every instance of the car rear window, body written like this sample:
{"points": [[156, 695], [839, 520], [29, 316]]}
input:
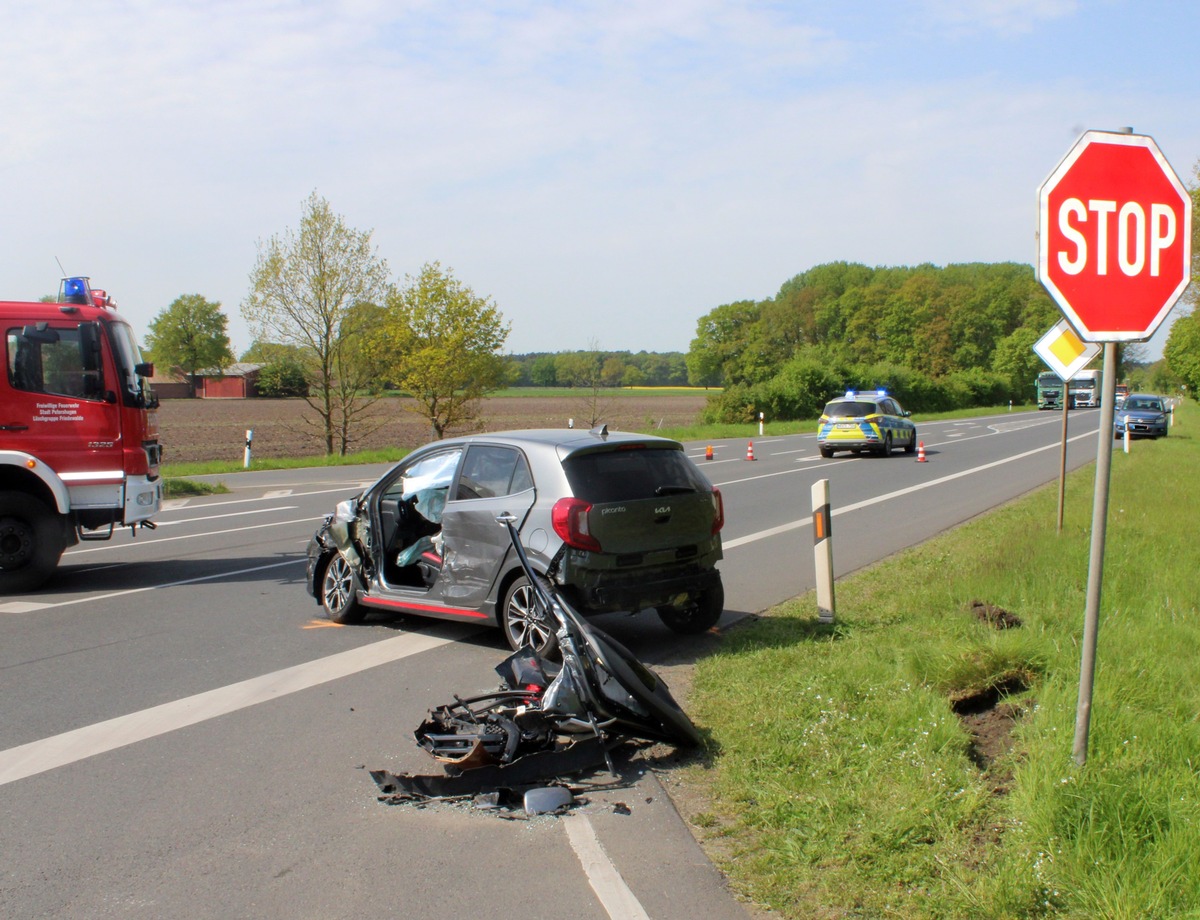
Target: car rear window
{"points": [[631, 474], [850, 409]]}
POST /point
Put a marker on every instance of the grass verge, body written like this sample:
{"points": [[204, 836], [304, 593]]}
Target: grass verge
{"points": [[840, 782]]}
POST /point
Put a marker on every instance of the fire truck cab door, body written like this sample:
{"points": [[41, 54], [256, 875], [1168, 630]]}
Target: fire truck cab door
{"points": [[60, 406]]}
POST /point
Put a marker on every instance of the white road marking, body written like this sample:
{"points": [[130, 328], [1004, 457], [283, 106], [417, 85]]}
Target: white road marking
{"points": [[167, 584], [67, 748], [217, 517], [618, 901], [866, 503], [194, 536], [22, 607]]}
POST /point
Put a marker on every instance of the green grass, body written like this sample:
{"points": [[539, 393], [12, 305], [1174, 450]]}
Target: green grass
{"points": [[838, 779], [172, 471]]}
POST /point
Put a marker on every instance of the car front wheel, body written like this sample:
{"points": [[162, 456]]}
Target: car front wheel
{"points": [[339, 592]]}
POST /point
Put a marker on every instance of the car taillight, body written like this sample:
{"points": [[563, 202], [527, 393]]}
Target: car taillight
{"points": [[718, 511], [570, 519]]}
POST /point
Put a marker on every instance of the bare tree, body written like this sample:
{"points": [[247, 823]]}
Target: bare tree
{"points": [[314, 288]]}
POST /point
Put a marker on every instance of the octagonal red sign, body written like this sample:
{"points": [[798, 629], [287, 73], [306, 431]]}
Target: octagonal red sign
{"points": [[1114, 236]]}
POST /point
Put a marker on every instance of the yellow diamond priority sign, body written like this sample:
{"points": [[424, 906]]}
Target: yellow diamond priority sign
{"points": [[1063, 350]]}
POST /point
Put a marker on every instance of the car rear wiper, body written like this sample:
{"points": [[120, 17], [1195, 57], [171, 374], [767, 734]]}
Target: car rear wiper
{"points": [[674, 490]]}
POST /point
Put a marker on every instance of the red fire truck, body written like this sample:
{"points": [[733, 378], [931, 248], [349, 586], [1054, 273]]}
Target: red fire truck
{"points": [[79, 451]]}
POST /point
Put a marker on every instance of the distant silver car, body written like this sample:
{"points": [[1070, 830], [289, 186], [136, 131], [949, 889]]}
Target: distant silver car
{"points": [[619, 521]]}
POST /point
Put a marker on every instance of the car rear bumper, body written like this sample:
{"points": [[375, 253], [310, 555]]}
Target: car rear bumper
{"points": [[634, 591]]}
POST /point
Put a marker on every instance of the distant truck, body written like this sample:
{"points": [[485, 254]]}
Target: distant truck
{"points": [[79, 449], [1085, 389], [1050, 391]]}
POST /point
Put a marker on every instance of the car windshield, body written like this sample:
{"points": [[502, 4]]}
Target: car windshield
{"points": [[1148, 404], [850, 409], [628, 474]]}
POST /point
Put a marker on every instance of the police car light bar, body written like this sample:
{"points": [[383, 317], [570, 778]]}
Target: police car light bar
{"points": [[853, 394]]}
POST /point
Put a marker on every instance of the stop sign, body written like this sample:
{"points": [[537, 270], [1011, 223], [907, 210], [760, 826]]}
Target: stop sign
{"points": [[1114, 236]]}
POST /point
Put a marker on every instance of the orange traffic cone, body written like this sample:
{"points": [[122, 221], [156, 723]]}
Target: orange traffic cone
{"points": [[921, 452], [708, 455], [750, 451]]}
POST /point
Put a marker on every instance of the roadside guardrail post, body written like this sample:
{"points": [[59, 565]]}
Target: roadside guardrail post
{"points": [[822, 519]]}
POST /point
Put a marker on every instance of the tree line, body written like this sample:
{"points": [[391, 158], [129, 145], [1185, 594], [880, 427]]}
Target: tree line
{"points": [[594, 367], [935, 337]]}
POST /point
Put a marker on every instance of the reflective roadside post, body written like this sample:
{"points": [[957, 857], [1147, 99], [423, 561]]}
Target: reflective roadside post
{"points": [[822, 519], [249, 441]]}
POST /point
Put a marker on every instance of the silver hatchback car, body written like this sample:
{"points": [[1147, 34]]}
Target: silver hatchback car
{"points": [[621, 522]]}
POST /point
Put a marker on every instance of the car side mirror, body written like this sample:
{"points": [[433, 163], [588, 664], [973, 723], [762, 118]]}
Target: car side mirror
{"points": [[346, 512]]}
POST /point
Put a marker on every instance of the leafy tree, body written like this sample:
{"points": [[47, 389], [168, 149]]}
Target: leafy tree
{"points": [[1192, 294], [281, 378], [268, 352], [190, 334], [314, 288], [542, 372], [1017, 363], [439, 341], [579, 368], [612, 372], [1182, 351], [720, 340]]}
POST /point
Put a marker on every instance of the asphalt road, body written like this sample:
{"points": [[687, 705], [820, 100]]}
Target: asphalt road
{"points": [[183, 735]]}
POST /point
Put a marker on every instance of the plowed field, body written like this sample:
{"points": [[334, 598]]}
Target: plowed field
{"points": [[215, 429]]}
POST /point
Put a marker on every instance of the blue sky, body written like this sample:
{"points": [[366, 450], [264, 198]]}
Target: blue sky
{"points": [[606, 172]]}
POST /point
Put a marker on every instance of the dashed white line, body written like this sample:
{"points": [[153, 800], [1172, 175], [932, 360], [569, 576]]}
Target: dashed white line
{"points": [[66, 748], [618, 901]]}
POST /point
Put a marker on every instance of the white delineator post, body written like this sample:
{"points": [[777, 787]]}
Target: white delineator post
{"points": [[249, 440], [822, 519]]}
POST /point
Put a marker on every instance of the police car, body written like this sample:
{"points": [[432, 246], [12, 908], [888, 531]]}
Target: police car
{"points": [[865, 421]]}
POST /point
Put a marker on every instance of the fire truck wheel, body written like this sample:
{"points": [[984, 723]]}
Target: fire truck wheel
{"points": [[31, 542]]}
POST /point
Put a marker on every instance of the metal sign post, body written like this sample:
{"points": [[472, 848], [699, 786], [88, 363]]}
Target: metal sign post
{"points": [[1065, 354], [1091, 615]]}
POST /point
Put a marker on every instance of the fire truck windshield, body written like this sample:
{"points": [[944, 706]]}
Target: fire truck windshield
{"points": [[133, 386]]}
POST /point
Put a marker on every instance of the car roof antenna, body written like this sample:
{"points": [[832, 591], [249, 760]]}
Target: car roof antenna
{"points": [[600, 431]]}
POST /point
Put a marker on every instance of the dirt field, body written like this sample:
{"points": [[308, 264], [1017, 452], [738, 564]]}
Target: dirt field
{"points": [[194, 430]]}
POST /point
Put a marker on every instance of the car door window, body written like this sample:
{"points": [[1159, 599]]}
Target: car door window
{"points": [[428, 480], [490, 471]]}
